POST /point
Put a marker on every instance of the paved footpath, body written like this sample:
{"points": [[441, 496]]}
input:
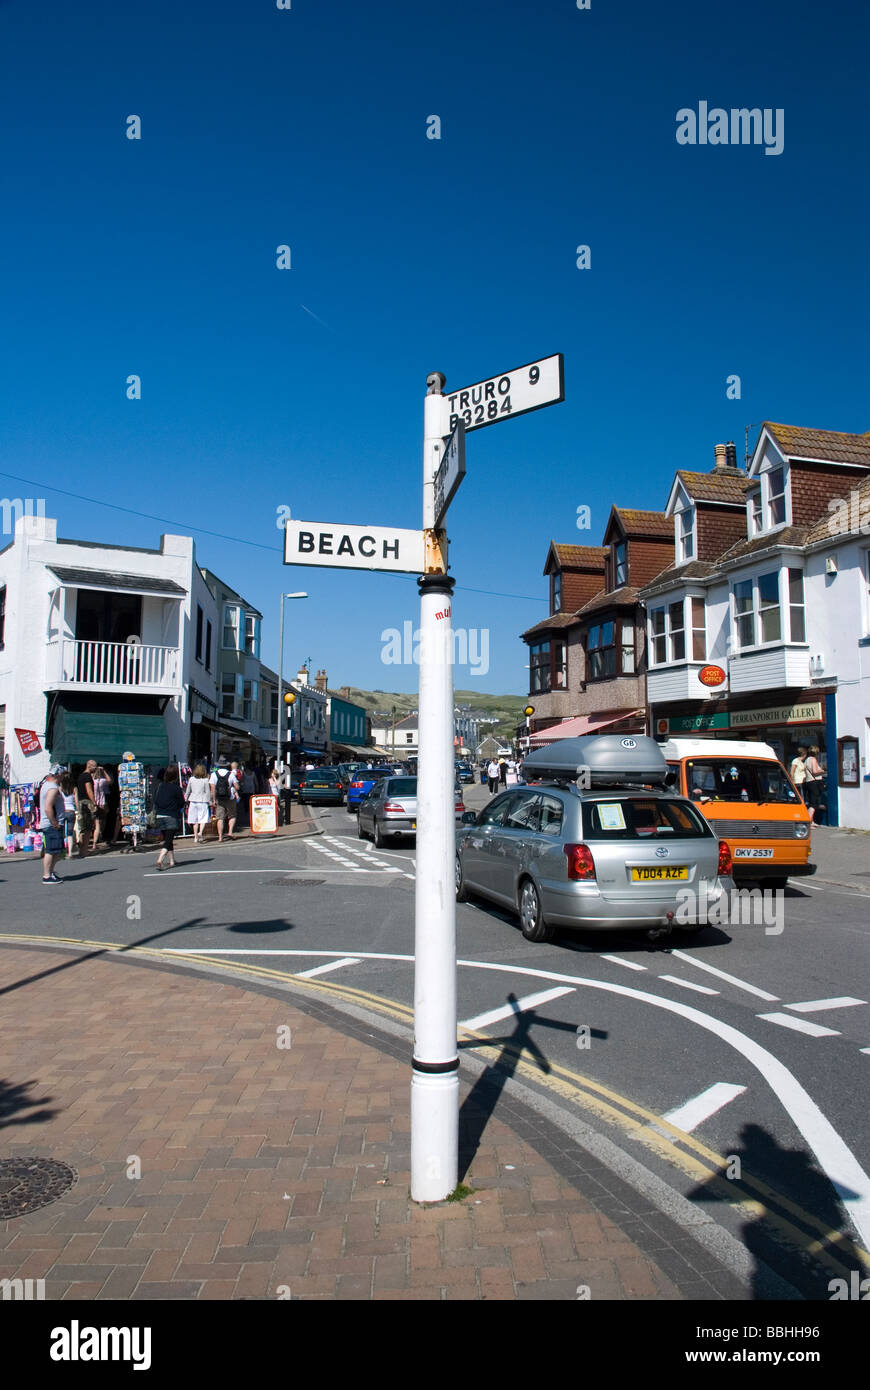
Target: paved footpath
{"points": [[267, 1171]]}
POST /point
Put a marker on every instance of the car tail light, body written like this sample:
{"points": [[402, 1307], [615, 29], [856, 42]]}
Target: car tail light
{"points": [[460, 806], [395, 807], [357, 784], [580, 862], [339, 786], [725, 863]]}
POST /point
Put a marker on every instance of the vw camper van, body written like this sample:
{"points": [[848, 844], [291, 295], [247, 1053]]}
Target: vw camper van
{"points": [[750, 800]]}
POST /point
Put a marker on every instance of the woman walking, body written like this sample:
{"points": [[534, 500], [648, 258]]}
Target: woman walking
{"points": [[169, 806], [101, 789], [198, 798], [68, 792]]}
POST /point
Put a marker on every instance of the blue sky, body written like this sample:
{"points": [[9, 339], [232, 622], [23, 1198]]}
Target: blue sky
{"points": [[307, 127]]}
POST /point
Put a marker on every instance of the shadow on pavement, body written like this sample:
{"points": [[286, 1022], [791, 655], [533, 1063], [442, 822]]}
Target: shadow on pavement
{"points": [[14, 1100]]}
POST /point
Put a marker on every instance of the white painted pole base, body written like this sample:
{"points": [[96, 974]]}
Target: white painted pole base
{"points": [[434, 1136]]}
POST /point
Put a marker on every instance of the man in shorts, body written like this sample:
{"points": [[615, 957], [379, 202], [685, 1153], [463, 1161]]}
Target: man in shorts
{"points": [[222, 798], [51, 824], [86, 806]]}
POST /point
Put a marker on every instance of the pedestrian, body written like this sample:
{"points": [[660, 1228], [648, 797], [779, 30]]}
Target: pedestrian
{"points": [[51, 810], [169, 805], [798, 771], [814, 786], [68, 792], [502, 772], [492, 774], [222, 801], [101, 788], [86, 805], [247, 789], [198, 797]]}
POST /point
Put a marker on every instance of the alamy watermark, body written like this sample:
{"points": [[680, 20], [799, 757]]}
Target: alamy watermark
{"points": [[745, 907], [849, 514], [14, 508], [713, 125], [464, 647]]}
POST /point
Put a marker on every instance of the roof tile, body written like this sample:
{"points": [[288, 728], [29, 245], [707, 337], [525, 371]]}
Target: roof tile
{"points": [[799, 441]]}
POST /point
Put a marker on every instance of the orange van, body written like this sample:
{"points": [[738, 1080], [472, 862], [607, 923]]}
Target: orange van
{"points": [[751, 802]]}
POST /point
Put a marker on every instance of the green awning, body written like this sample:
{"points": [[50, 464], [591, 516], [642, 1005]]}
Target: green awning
{"points": [[80, 734]]}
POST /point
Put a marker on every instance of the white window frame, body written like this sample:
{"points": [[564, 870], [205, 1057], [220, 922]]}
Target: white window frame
{"points": [[768, 497], [782, 605], [755, 512], [668, 632], [252, 635], [234, 613], [684, 533]]}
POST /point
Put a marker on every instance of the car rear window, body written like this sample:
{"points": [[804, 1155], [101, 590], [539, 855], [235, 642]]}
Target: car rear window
{"points": [[327, 774], [401, 786], [639, 818]]}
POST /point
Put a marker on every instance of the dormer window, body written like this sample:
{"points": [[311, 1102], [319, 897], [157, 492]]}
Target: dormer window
{"points": [[685, 535], [755, 514], [557, 592], [775, 496], [620, 565]]}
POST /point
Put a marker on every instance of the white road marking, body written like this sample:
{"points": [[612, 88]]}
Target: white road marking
{"points": [[834, 1156], [688, 984], [800, 1025], [814, 887], [281, 869], [694, 1112], [330, 965], [732, 979], [629, 964], [519, 1006], [813, 1006], [864, 1049]]}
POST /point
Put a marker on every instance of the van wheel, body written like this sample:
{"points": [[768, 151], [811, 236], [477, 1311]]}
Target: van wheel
{"points": [[534, 927], [461, 890]]}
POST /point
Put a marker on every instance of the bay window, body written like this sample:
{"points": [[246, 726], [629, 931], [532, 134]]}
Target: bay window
{"points": [[232, 623], [768, 607], [677, 624], [677, 628], [560, 670], [699, 629], [760, 605], [539, 668], [796, 614], [252, 634], [601, 652]]}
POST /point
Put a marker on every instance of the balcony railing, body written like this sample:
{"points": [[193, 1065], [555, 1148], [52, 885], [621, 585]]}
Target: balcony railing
{"points": [[117, 665]]}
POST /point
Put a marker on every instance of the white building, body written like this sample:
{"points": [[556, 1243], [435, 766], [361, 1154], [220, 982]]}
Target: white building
{"points": [[103, 648], [783, 607]]}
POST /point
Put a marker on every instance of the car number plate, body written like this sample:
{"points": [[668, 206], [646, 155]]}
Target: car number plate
{"points": [[659, 871], [752, 853]]}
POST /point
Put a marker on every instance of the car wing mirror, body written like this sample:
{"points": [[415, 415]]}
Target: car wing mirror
{"points": [[469, 818]]}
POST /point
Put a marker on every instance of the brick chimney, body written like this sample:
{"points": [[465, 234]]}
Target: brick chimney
{"points": [[320, 680]]}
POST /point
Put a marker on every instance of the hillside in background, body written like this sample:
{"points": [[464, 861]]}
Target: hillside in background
{"points": [[506, 710]]}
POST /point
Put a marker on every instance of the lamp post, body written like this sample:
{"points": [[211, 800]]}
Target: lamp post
{"points": [[279, 761]]}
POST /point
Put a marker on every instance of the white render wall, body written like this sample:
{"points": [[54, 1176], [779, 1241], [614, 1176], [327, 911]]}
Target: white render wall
{"points": [[28, 663]]}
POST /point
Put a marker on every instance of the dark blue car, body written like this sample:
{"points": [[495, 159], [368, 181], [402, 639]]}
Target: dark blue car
{"points": [[363, 780]]}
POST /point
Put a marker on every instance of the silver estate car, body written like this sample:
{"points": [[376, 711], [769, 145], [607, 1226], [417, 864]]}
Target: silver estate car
{"points": [[390, 808], [623, 857]]}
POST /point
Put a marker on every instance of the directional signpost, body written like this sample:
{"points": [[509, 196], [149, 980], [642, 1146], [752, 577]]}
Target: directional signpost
{"points": [[447, 419]]}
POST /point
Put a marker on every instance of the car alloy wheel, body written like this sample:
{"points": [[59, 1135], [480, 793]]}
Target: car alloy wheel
{"points": [[378, 837], [359, 830], [531, 917], [461, 890]]}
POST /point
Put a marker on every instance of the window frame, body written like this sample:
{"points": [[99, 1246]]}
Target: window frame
{"points": [[199, 628], [253, 624], [556, 591], [232, 627], [620, 564], [782, 606], [208, 639], [663, 639], [684, 536], [540, 668]]}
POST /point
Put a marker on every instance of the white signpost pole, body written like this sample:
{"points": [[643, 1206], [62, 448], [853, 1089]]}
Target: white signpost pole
{"points": [[435, 1077]]}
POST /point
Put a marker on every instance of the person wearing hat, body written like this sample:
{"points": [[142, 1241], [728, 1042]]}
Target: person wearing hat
{"points": [[222, 798], [51, 823]]}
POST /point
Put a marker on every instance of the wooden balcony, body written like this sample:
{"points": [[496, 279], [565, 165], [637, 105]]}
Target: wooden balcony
{"points": [[129, 666]]}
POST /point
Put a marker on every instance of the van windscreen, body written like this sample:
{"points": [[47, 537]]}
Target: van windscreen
{"points": [[738, 779]]}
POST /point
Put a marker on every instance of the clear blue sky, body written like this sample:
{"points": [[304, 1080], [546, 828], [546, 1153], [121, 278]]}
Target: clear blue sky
{"points": [[308, 127]]}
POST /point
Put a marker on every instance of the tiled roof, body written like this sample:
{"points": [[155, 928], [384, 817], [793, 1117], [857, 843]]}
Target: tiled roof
{"points": [[787, 535], [556, 620], [718, 486], [692, 569], [580, 554], [828, 526], [615, 598], [800, 442], [636, 523]]}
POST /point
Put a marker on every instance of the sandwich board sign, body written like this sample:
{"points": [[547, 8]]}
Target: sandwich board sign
{"points": [[512, 393], [338, 546]]}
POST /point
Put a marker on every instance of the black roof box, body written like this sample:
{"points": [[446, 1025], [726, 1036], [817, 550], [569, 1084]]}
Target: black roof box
{"points": [[599, 760]]}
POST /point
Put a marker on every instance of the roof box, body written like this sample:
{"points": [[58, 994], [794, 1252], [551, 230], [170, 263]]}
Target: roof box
{"points": [[600, 760]]}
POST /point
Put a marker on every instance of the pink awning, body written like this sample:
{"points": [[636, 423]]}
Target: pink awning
{"points": [[581, 724]]}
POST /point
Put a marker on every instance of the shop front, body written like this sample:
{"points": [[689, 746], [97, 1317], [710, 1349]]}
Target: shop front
{"points": [[802, 718]]}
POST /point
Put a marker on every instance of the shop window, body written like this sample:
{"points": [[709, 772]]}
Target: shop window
{"points": [[797, 618]]}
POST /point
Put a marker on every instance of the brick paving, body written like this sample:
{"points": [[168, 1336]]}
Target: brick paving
{"points": [[215, 1164]]}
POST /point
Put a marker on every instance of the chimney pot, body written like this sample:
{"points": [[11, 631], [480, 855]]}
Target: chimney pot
{"points": [[731, 454], [720, 452]]}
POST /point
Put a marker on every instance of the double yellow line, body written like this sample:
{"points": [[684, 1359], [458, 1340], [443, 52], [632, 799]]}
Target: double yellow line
{"points": [[751, 1198]]}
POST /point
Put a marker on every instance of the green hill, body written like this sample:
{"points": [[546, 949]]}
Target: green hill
{"points": [[506, 710]]}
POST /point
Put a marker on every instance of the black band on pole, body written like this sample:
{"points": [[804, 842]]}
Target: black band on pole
{"points": [[435, 1068], [436, 584]]}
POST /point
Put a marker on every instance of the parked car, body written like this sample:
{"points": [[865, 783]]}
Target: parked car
{"points": [[390, 808], [747, 795], [323, 786], [605, 857], [362, 782], [465, 772]]}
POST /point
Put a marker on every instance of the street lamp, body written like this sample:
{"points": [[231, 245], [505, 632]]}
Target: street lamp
{"points": [[280, 759]]}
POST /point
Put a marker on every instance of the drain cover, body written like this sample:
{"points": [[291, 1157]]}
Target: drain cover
{"points": [[26, 1184], [297, 882]]}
